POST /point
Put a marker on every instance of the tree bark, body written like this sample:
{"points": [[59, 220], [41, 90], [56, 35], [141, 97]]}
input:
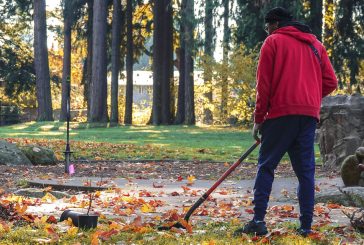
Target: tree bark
{"points": [[180, 116], [157, 61], [208, 45], [66, 72], [44, 99], [189, 82], [98, 110], [315, 19], [115, 60], [167, 63], [88, 80], [129, 63], [226, 41]]}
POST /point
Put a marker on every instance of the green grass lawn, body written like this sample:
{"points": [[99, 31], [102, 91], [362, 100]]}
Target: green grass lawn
{"points": [[94, 141]]}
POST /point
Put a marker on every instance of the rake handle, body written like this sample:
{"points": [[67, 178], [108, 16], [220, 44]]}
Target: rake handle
{"points": [[218, 182]]}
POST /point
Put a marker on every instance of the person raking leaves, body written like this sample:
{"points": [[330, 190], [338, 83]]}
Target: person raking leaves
{"points": [[294, 74]]}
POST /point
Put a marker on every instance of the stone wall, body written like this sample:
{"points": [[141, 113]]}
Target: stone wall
{"points": [[341, 128]]}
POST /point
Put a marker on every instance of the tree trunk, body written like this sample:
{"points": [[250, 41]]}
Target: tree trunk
{"points": [[88, 80], [129, 63], [98, 110], [157, 61], [208, 45], [115, 60], [167, 63], [226, 41], [66, 72], [189, 82], [44, 99], [180, 116], [315, 19]]}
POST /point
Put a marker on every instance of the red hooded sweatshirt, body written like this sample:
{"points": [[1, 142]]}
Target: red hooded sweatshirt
{"points": [[290, 78]]}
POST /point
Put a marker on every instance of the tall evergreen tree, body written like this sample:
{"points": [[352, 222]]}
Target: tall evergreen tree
{"points": [[167, 64], [315, 17], [98, 99], [66, 71], [129, 63], [348, 42], [181, 53], [226, 43], [162, 62], [189, 64], [250, 19], [209, 53], [43, 88], [88, 63], [115, 60]]}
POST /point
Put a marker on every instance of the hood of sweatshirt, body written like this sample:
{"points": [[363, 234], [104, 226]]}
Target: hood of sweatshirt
{"points": [[297, 32]]}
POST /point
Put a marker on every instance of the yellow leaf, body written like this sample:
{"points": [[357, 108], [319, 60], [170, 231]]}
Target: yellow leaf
{"points": [[115, 226], [146, 208], [72, 231], [97, 194], [191, 179], [48, 198], [68, 221]]}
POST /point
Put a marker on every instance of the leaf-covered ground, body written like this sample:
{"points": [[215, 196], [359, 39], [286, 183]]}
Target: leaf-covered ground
{"points": [[132, 216]]}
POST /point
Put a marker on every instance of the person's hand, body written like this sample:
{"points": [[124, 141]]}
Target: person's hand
{"points": [[256, 131]]}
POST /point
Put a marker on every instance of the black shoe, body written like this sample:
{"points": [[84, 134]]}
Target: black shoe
{"points": [[303, 232], [253, 227]]}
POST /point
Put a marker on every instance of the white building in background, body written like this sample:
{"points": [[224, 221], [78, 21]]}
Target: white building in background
{"points": [[143, 84]]}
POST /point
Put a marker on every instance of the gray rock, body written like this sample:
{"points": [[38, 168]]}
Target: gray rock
{"points": [[39, 155], [11, 155], [361, 182], [347, 196], [355, 195], [341, 129], [332, 196], [38, 193]]}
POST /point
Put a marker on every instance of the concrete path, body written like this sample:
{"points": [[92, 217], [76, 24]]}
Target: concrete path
{"points": [[177, 195]]}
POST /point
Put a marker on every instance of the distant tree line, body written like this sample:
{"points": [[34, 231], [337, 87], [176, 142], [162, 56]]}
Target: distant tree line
{"points": [[184, 37]]}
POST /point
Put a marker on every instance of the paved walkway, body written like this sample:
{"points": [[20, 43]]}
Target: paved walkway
{"points": [[177, 195]]}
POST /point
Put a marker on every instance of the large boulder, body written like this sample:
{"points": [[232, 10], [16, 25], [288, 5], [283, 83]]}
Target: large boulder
{"points": [[39, 155], [341, 128], [347, 196], [11, 155]]}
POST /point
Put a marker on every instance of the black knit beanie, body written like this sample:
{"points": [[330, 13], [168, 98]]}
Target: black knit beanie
{"points": [[277, 14]]}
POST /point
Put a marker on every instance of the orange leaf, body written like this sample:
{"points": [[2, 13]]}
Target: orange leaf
{"points": [[186, 225], [52, 219], [185, 188], [333, 205], [73, 199]]}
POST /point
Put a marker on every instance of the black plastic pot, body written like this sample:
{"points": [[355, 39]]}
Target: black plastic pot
{"points": [[87, 221], [80, 220]]}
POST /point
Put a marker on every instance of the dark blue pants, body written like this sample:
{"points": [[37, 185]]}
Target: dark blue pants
{"points": [[295, 135]]}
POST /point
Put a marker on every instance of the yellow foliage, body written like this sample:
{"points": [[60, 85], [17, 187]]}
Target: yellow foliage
{"points": [[146, 208], [49, 198], [238, 77]]}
